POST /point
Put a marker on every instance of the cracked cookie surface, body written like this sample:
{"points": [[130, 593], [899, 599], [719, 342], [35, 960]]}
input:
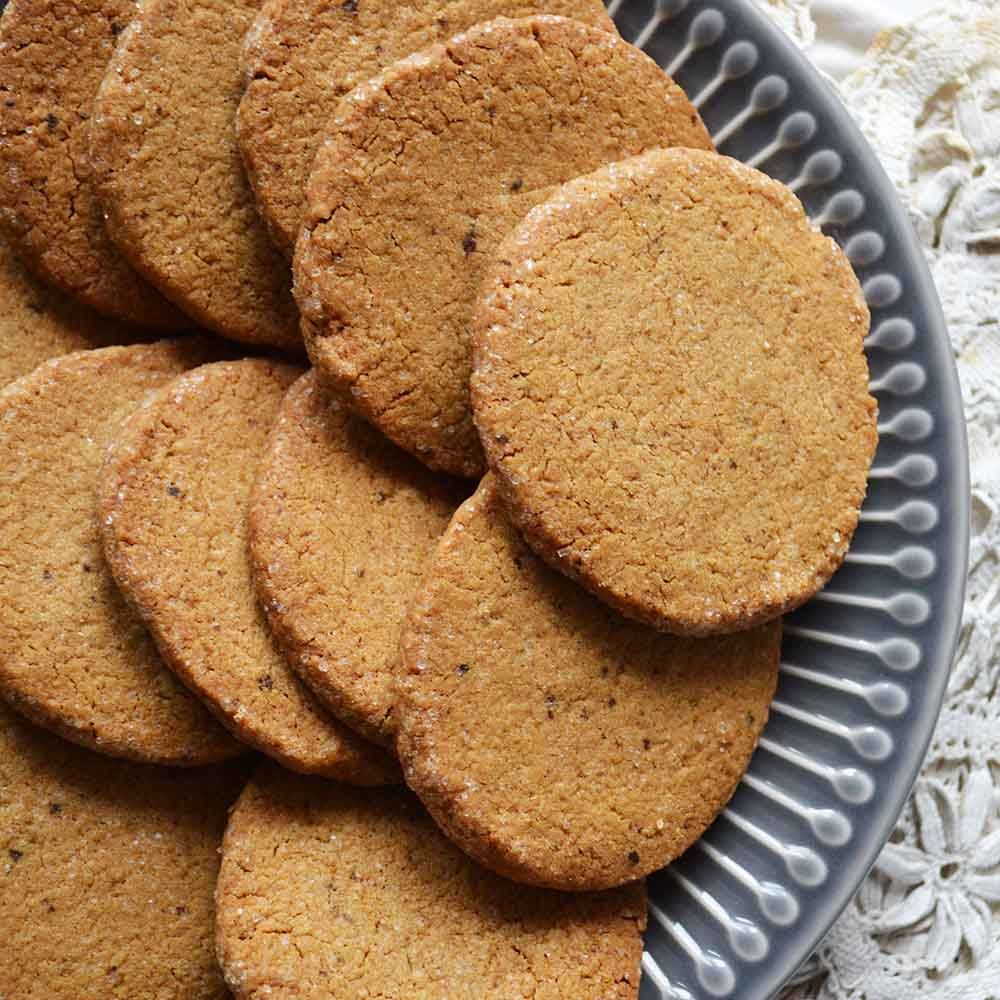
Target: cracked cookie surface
{"points": [[108, 870], [173, 500], [327, 890], [341, 524], [302, 56], [555, 741], [73, 656], [670, 384], [52, 58], [424, 170], [168, 171], [38, 322]]}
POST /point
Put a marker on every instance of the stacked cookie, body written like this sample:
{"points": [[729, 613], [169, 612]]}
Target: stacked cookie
{"points": [[504, 240]]}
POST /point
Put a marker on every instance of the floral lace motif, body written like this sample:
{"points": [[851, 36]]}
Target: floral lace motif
{"points": [[926, 922]]}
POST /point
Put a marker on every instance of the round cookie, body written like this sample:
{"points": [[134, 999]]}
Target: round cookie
{"points": [[73, 656], [301, 56], [558, 743], [108, 870], [425, 169], [37, 322], [52, 57], [168, 172], [330, 891], [173, 501], [341, 524], [671, 386]]}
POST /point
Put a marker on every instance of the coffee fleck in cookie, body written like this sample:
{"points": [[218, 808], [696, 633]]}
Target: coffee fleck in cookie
{"points": [[425, 169], [671, 386], [73, 656], [169, 176], [301, 56], [341, 524], [52, 58], [327, 890], [107, 870], [558, 743], [173, 500], [38, 322]]}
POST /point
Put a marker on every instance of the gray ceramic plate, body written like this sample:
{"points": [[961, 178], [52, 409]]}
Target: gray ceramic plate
{"points": [[864, 664]]}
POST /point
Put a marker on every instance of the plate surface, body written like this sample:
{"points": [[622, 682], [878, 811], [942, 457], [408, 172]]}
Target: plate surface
{"points": [[865, 664]]}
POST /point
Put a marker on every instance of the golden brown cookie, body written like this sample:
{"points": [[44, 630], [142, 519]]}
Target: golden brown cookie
{"points": [[38, 322], [301, 56], [330, 891], [341, 524], [671, 386], [425, 169], [52, 57], [73, 656], [173, 501], [107, 871], [558, 743], [168, 173]]}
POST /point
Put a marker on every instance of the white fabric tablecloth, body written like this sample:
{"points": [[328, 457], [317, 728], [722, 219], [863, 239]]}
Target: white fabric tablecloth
{"points": [[845, 29], [923, 81]]}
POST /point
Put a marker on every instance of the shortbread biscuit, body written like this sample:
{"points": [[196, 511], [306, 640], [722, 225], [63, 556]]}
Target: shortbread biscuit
{"points": [[173, 501], [301, 56], [73, 656], [556, 742], [670, 384], [107, 871], [332, 891], [168, 173], [52, 57], [425, 169], [341, 524]]}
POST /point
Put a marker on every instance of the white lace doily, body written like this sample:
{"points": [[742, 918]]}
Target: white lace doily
{"points": [[926, 922]]}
